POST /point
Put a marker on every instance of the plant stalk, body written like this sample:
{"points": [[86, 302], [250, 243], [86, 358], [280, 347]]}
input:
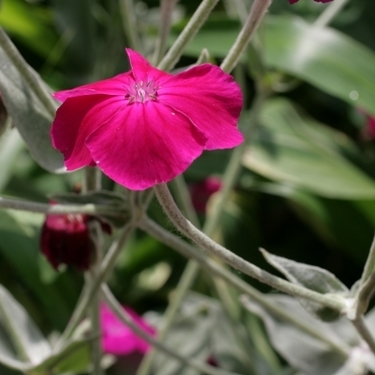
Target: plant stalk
{"points": [[106, 268], [187, 34], [330, 12], [166, 10], [129, 24], [256, 15], [364, 332], [187, 250], [212, 248]]}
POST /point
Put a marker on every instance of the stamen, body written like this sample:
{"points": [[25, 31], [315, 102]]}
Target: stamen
{"points": [[142, 92]]}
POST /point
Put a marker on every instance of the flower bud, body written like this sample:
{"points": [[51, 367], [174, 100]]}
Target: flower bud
{"points": [[65, 239], [201, 192]]}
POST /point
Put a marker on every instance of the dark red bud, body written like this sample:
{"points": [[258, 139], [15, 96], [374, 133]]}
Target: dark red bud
{"points": [[201, 192], [65, 239]]}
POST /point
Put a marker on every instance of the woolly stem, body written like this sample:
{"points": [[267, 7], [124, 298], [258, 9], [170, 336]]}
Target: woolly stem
{"points": [[330, 12], [57, 209], [129, 24], [187, 250], [364, 332], [166, 10], [256, 14], [106, 268], [187, 34], [212, 248]]}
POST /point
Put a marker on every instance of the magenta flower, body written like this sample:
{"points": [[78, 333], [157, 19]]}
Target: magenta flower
{"points": [[145, 127], [65, 239], [117, 338]]}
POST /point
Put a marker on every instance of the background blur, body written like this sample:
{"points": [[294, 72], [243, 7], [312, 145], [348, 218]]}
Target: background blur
{"points": [[306, 194]]}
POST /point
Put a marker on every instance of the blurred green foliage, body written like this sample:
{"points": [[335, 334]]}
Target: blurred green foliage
{"points": [[307, 187]]}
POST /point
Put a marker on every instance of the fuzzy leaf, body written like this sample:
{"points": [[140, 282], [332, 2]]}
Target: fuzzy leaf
{"points": [[27, 341], [31, 118], [8, 356], [303, 351], [311, 277], [202, 331]]}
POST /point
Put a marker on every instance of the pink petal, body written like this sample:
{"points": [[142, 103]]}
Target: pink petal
{"points": [[145, 144], [118, 338], [211, 99], [144, 71], [111, 86], [75, 120]]}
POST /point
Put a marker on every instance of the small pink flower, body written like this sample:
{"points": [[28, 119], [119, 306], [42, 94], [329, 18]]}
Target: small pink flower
{"points": [[117, 338], [201, 192], [146, 126]]}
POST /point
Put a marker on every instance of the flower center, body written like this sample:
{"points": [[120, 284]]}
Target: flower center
{"points": [[142, 92]]}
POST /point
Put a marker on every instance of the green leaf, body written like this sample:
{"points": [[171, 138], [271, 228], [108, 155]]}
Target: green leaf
{"points": [[296, 150], [74, 357], [190, 336], [202, 329], [25, 336], [23, 347], [324, 57], [31, 118], [303, 351], [311, 277], [8, 356]]}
